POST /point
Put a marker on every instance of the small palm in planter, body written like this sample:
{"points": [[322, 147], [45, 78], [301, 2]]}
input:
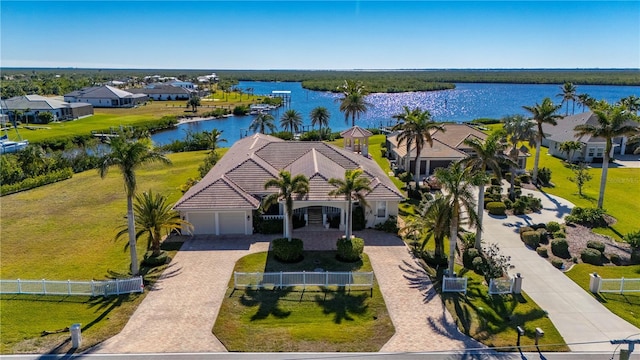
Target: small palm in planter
{"points": [[156, 218], [350, 250]]}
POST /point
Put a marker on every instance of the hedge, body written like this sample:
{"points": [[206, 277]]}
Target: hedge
{"points": [[531, 238], [350, 250], [560, 248], [591, 256], [287, 251], [496, 208], [37, 181]]}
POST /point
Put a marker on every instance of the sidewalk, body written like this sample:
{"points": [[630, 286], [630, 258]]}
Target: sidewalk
{"points": [[577, 315]]}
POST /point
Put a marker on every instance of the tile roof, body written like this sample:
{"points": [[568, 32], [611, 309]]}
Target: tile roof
{"points": [[251, 161]]}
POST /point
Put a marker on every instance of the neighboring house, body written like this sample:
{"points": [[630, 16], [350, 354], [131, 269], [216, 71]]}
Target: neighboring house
{"points": [[33, 105], [183, 84], [105, 96], [592, 148], [448, 147], [164, 92], [227, 199]]}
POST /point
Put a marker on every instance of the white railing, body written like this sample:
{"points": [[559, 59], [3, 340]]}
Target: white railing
{"points": [[272, 217], [454, 284], [500, 286], [68, 287], [621, 285], [287, 279], [330, 210]]}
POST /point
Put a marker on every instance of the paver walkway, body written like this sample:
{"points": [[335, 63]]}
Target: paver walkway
{"points": [[578, 316], [179, 313]]}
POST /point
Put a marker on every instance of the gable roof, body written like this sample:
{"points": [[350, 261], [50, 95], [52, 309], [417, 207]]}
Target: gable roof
{"points": [[356, 132], [253, 160]]}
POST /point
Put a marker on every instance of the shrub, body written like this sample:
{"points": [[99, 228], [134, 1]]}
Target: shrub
{"points": [[468, 240], [525, 178], [153, 261], [560, 248], [431, 259], [533, 203], [635, 256], [531, 238], [390, 225], [496, 208], [468, 257], [543, 235], [508, 204], [350, 250], [544, 176], [542, 251], [559, 235], [495, 189], [268, 226], [37, 181], [597, 245], [287, 251], [557, 263], [553, 226], [523, 229], [591, 256], [615, 259], [591, 217], [495, 181], [517, 182], [477, 263], [539, 226], [633, 239], [519, 206]]}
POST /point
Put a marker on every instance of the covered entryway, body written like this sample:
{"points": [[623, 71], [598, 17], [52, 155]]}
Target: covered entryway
{"points": [[231, 223]]}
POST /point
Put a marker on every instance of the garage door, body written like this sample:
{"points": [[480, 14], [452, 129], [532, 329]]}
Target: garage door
{"points": [[231, 222], [203, 223]]}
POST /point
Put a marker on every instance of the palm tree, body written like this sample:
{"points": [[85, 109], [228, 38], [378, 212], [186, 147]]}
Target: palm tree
{"points": [[291, 120], [128, 155], [416, 129], [320, 116], [433, 222], [261, 122], [155, 217], [631, 103], [518, 129], [613, 121], [544, 113], [457, 182], [584, 100], [353, 101], [569, 147], [287, 188], [568, 94], [489, 155], [212, 138], [353, 187]]}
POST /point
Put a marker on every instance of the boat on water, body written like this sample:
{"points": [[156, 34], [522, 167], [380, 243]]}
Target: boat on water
{"points": [[9, 146], [255, 109]]}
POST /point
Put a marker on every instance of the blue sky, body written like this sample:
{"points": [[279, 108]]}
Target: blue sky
{"points": [[320, 35]]}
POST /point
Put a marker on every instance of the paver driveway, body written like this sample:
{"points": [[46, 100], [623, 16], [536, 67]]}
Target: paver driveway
{"points": [[179, 313]]}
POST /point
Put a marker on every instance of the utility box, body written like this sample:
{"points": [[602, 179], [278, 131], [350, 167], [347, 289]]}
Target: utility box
{"points": [[76, 335], [517, 284], [595, 282]]}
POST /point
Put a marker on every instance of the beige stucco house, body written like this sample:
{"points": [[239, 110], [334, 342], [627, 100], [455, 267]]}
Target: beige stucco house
{"points": [[227, 199]]}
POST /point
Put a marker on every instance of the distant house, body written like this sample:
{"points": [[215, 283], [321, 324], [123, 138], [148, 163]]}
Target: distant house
{"points": [[183, 84], [592, 148], [106, 96], [448, 147], [227, 199], [164, 92], [33, 105]]}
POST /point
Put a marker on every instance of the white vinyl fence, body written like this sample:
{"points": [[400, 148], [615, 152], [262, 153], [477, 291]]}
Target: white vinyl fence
{"points": [[454, 284], [621, 285], [500, 286], [68, 287], [287, 279]]}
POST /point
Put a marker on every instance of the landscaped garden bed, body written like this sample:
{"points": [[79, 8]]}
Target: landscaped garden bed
{"points": [[314, 319]]}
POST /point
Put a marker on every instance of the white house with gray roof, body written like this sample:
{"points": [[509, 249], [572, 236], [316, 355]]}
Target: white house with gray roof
{"points": [[227, 199], [592, 147], [106, 96], [33, 105]]}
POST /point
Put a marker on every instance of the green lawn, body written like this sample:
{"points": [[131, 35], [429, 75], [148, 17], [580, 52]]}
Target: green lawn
{"points": [[492, 319], [295, 320], [626, 306], [66, 231]]}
